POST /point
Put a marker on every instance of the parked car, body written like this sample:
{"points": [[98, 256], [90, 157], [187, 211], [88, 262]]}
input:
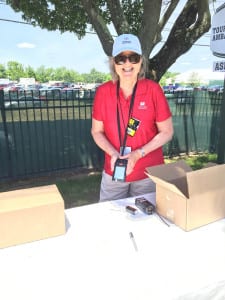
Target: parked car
{"points": [[72, 93], [24, 101], [183, 95], [183, 88], [17, 87], [52, 93], [220, 92], [214, 88]]}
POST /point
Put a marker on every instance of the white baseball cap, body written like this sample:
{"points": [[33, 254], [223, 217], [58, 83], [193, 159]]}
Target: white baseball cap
{"points": [[126, 42]]}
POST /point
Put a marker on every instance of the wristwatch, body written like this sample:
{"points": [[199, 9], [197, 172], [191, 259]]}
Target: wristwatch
{"points": [[142, 152]]}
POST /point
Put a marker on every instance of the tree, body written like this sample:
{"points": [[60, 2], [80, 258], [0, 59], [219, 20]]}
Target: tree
{"points": [[95, 76], [194, 79], [29, 72], [168, 76], [43, 74], [146, 18], [3, 73], [15, 70]]}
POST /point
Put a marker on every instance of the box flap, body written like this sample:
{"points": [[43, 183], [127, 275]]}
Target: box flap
{"points": [[207, 179], [170, 171], [170, 186], [171, 176]]}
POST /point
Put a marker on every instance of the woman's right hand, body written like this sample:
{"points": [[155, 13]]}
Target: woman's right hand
{"points": [[113, 160]]}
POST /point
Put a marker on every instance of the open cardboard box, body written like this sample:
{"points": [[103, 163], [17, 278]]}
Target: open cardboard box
{"points": [[31, 214], [189, 198]]}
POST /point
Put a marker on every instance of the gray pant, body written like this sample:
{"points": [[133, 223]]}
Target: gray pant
{"points": [[114, 190]]}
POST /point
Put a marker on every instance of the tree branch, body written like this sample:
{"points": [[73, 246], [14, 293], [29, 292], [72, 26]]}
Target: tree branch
{"points": [[118, 18], [191, 24], [164, 20], [167, 14], [149, 20], [99, 25]]}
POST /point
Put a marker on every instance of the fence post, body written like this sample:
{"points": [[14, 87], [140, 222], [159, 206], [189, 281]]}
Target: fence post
{"points": [[5, 130], [221, 143]]}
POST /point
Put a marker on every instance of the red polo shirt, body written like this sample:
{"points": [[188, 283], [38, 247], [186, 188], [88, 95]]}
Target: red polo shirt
{"points": [[150, 106]]}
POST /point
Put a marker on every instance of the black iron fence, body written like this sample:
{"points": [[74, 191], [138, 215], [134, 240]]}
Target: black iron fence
{"points": [[196, 119], [47, 131]]}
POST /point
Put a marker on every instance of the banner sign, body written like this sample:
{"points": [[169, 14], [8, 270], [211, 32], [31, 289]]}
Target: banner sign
{"points": [[219, 66], [217, 39]]}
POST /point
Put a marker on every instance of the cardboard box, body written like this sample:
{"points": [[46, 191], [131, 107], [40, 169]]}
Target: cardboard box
{"points": [[31, 214], [189, 198]]}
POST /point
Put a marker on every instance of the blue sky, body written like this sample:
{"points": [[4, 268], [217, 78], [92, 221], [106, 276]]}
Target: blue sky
{"points": [[32, 46]]}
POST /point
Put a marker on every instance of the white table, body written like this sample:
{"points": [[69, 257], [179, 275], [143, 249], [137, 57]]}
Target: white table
{"points": [[96, 259]]}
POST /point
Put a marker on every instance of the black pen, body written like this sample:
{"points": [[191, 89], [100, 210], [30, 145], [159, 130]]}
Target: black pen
{"points": [[133, 241]]}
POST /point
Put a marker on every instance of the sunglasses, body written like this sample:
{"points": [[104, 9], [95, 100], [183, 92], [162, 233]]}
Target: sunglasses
{"points": [[133, 59]]}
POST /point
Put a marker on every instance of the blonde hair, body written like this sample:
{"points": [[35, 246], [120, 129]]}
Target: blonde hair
{"points": [[115, 76]]}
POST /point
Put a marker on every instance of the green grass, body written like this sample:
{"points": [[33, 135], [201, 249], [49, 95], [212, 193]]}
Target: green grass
{"points": [[85, 189], [196, 161], [82, 189]]}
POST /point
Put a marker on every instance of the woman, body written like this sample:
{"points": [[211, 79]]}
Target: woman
{"points": [[131, 121]]}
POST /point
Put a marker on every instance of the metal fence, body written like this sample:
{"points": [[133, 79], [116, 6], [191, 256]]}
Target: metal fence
{"points": [[47, 132], [196, 119]]}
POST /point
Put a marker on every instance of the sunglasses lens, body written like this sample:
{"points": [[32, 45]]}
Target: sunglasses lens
{"points": [[121, 59], [134, 58]]}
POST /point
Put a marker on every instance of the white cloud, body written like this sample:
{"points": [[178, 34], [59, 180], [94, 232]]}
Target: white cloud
{"points": [[26, 45]]}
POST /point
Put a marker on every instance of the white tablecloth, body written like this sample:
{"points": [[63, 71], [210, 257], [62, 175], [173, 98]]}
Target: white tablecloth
{"points": [[96, 259]]}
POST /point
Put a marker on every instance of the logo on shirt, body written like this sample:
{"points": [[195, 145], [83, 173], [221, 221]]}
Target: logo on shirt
{"points": [[142, 105]]}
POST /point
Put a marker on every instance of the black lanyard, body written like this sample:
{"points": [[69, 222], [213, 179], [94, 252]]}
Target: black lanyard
{"points": [[123, 144]]}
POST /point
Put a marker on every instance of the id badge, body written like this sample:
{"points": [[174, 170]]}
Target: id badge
{"points": [[132, 127], [126, 151]]}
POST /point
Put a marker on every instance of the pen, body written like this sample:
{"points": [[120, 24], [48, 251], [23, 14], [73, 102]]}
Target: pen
{"points": [[133, 241]]}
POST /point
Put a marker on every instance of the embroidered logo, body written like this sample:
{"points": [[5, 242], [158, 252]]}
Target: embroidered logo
{"points": [[142, 105]]}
